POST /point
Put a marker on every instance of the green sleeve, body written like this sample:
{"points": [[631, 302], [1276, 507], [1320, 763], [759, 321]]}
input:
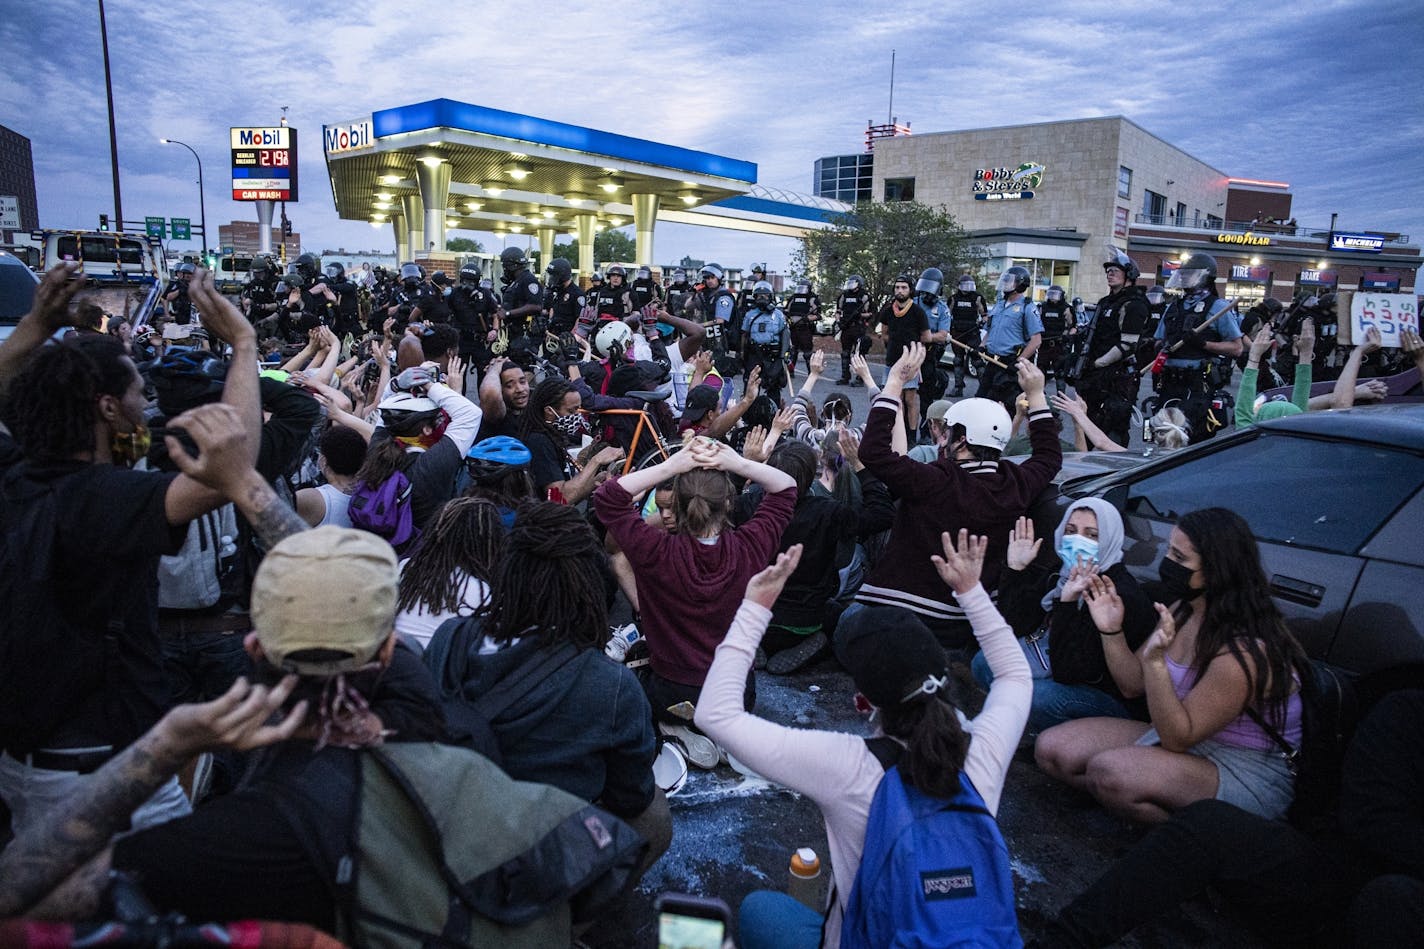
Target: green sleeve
{"points": [[1300, 391], [1246, 398]]}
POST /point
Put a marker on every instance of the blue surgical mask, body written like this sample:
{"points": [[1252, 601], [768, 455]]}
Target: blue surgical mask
{"points": [[1075, 546]]}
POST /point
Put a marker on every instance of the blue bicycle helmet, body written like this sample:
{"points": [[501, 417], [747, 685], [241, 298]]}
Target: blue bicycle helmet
{"points": [[498, 451]]}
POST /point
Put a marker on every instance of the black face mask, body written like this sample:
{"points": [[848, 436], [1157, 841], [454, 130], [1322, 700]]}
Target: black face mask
{"points": [[1176, 581]]}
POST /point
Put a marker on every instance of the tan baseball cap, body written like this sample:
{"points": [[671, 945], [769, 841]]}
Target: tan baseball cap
{"points": [[937, 409], [331, 589]]}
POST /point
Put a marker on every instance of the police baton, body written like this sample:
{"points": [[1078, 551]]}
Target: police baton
{"points": [[987, 357], [1230, 305]]}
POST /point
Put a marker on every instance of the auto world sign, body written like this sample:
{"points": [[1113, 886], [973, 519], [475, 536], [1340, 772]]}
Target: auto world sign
{"points": [[1007, 184], [264, 164]]}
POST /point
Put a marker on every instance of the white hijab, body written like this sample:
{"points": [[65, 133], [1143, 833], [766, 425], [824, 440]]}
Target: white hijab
{"points": [[1110, 534]]}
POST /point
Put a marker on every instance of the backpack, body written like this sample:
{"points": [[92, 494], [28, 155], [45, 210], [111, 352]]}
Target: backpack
{"points": [[934, 872], [468, 717], [427, 844], [386, 510], [197, 576]]}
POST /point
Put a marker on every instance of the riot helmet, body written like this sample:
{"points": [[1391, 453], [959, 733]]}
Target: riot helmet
{"points": [[512, 259], [967, 284], [679, 277], [1197, 272], [262, 267], [294, 278], [560, 270], [803, 287], [758, 269], [931, 282], [470, 274], [1013, 280], [595, 279], [309, 266], [1055, 294], [712, 272], [619, 272], [644, 273], [411, 275], [853, 282], [761, 295], [186, 267], [334, 271], [1116, 258], [1155, 294]]}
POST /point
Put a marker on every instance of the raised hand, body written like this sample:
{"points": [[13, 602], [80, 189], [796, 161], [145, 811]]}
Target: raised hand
{"points": [[1372, 342], [755, 445], [765, 587], [1030, 378], [1264, 339], [960, 566], [907, 367], [1072, 406], [818, 362], [1079, 577], [1105, 605], [238, 720], [753, 385], [1155, 649], [219, 316], [1305, 342], [1022, 546], [52, 296]]}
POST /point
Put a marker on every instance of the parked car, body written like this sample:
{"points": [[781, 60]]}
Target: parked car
{"points": [[1336, 501], [17, 291]]}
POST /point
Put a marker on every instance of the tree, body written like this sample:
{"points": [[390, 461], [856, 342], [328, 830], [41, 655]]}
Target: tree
{"points": [[880, 241], [464, 245], [607, 246]]}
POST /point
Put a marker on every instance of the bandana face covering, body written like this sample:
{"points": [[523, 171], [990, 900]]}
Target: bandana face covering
{"points": [[572, 426], [431, 440]]}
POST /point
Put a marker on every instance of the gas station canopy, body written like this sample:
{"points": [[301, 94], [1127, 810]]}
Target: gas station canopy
{"points": [[443, 164]]}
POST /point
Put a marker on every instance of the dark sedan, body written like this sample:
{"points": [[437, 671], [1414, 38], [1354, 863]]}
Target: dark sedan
{"points": [[1336, 500]]}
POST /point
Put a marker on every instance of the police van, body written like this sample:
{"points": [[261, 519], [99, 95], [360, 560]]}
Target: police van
{"points": [[232, 273], [105, 257]]}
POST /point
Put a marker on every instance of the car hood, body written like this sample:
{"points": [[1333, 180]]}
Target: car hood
{"points": [[1090, 464]]}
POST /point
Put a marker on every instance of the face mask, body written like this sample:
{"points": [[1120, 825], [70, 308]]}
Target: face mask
{"points": [[1075, 546], [447, 291], [128, 447], [572, 426], [1176, 580]]}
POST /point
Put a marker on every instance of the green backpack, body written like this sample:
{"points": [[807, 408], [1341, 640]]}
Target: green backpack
{"points": [[441, 848]]}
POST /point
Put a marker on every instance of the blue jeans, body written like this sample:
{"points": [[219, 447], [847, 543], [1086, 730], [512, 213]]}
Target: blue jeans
{"points": [[769, 919], [1054, 702], [202, 666]]}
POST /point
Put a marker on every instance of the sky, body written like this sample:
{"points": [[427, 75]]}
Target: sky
{"points": [[1323, 94]]}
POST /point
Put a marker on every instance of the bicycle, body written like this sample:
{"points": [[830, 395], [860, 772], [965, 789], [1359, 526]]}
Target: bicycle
{"points": [[661, 449]]}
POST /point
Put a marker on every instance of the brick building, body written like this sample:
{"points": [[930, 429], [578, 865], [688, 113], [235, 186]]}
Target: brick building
{"points": [[17, 177], [245, 237]]}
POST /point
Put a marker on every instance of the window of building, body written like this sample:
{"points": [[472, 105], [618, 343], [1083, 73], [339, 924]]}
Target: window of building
{"points": [[1213, 221], [1154, 206], [899, 189], [1181, 214], [1196, 217], [1124, 181]]}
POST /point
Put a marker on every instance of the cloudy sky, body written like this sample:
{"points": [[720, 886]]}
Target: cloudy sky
{"points": [[1323, 94]]}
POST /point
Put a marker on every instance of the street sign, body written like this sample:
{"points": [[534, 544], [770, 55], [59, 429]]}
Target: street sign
{"points": [[154, 227], [9, 211], [182, 229], [228, 250], [264, 163]]}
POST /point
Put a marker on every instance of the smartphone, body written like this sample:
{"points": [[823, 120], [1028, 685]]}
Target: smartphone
{"points": [[691, 922]]}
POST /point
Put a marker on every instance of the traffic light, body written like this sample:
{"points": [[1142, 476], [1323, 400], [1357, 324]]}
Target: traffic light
{"points": [[103, 222], [287, 228]]}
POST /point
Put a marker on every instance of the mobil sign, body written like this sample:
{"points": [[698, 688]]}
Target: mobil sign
{"points": [[347, 136], [264, 163]]}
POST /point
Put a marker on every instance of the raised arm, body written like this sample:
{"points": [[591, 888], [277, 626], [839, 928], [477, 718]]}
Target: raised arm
{"points": [[48, 315], [1344, 395]]}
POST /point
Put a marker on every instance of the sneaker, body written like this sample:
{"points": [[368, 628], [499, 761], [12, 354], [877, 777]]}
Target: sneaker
{"points": [[798, 656], [620, 640], [700, 750]]}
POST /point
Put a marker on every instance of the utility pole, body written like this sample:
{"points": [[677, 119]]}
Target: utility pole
{"points": [[113, 134]]}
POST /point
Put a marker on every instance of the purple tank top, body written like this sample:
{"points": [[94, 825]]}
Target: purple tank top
{"points": [[1242, 732]]}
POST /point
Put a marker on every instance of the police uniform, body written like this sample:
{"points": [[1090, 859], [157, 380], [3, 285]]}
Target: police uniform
{"points": [[644, 291], [611, 302], [765, 335], [258, 299], [1057, 317], [472, 314], [1111, 390], [964, 314], [564, 304], [1184, 375], [854, 307], [800, 313], [716, 311], [1011, 326], [521, 290]]}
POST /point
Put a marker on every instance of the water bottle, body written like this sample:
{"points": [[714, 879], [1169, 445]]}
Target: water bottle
{"points": [[804, 880]]}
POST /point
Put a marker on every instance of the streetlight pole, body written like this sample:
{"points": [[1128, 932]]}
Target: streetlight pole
{"points": [[202, 205]]}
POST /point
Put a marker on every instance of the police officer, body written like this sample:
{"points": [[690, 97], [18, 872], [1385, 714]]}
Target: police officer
{"points": [[644, 289], [1196, 326], [744, 300], [1058, 318], [927, 292], [563, 297], [435, 308], [1262, 312], [766, 337], [612, 300], [1105, 370], [678, 292], [403, 298], [802, 310], [182, 317], [258, 298], [340, 292], [855, 306], [1015, 332], [967, 311], [473, 315], [523, 297], [713, 306]]}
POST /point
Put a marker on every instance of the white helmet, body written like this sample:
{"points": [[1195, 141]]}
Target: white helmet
{"points": [[670, 767], [611, 334], [986, 422]]}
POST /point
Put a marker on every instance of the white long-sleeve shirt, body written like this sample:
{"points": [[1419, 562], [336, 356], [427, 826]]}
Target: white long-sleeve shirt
{"points": [[836, 770]]}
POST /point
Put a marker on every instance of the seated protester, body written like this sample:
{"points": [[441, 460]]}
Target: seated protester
{"points": [[82, 535], [618, 429], [761, 415], [341, 455], [1167, 428], [504, 395], [1021, 444], [497, 469], [450, 572], [549, 427], [938, 433], [689, 581], [901, 678], [967, 487], [580, 721], [1357, 881], [1081, 634], [426, 428], [1247, 411], [1219, 667], [835, 412], [659, 513], [703, 414], [827, 531]]}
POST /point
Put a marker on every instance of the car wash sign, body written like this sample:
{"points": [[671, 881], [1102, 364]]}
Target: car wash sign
{"points": [[264, 164], [1007, 184]]}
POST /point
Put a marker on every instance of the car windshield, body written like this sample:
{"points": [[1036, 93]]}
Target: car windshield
{"points": [[1307, 492]]}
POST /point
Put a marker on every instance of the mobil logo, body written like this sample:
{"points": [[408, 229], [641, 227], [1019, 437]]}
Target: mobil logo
{"points": [[260, 137], [347, 136]]}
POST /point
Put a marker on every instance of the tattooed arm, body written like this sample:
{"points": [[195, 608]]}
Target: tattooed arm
{"points": [[222, 468], [38, 875]]}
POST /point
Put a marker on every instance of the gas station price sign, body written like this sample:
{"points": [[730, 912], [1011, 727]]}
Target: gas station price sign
{"points": [[264, 164]]}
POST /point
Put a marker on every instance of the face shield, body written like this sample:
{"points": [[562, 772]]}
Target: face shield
{"points": [[333, 271], [927, 285], [1184, 279], [1055, 294], [644, 273], [850, 285], [967, 286], [1155, 296], [1007, 282]]}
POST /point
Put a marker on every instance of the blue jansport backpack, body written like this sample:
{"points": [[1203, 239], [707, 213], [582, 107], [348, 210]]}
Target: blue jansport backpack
{"points": [[934, 872]]}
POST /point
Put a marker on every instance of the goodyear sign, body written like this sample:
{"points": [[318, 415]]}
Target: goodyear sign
{"points": [[264, 163], [1008, 184], [347, 137]]}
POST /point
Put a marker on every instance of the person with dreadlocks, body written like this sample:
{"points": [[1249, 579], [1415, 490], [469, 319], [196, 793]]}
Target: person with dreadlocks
{"points": [[583, 726], [497, 469], [449, 574], [549, 427]]}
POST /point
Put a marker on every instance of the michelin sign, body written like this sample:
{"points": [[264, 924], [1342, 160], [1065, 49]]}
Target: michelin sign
{"points": [[347, 136]]}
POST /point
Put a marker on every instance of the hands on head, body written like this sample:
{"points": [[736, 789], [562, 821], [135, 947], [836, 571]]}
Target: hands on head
{"points": [[223, 458]]}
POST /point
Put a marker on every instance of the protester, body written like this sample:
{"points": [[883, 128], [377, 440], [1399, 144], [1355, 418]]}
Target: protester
{"points": [[1220, 672], [341, 455], [1247, 411], [689, 581], [900, 675], [549, 427], [1084, 627], [504, 395], [450, 572]]}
